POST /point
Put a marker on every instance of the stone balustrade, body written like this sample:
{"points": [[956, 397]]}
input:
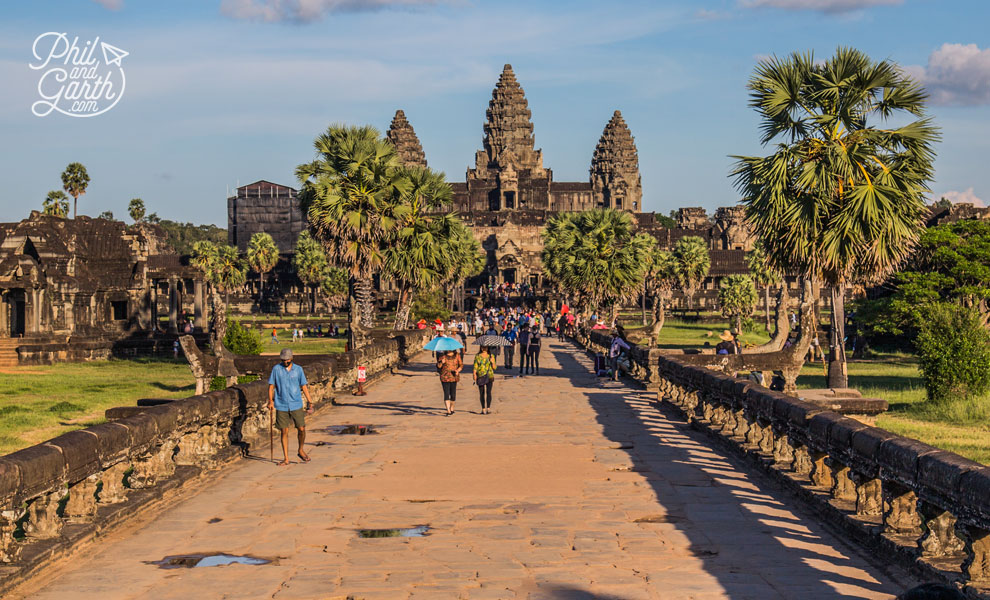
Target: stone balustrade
{"points": [[914, 503], [71, 488]]}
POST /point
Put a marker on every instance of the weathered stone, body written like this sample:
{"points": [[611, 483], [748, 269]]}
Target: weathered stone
{"points": [[153, 467], [803, 465], [407, 145], [900, 510], [976, 565], [869, 498], [821, 473], [113, 490], [43, 521], [938, 537], [82, 499], [615, 177], [783, 452]]}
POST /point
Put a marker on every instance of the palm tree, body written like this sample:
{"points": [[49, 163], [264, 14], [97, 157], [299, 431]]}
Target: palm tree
{"points": [[224, 272], [75, 180], [596, 255], [56, 204], [691, 265], [416, 257], [334, 287], [737, 297], [841, 197], [764, 275], [660, 281], [136, 209], [464, 257], [350, 195], [310, 264], [262, 256]]}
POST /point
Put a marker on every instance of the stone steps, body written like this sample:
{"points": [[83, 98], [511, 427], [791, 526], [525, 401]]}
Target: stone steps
{"points": [[8, 352]]}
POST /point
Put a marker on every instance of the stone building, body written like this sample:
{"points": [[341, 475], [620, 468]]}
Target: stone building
{"points": [[266, 207], [73, 288]]}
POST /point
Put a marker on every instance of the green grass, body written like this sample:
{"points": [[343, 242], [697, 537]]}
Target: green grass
{"points": [[39, 403], [684, 334], [310, 345], [895, 378]]}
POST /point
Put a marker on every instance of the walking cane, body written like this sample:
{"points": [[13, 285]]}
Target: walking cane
{"points": [[271, 435]]}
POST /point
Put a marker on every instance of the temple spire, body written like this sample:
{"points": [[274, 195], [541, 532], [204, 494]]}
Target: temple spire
{"points": [[615, 178], [407, 145], [508, 128]]}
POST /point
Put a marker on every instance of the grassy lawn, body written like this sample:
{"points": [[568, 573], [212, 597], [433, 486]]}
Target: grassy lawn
{"points": [[895, 378], [309, 345], [39, 403], [684, 334]]}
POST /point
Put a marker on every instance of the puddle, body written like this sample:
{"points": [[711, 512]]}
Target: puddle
{"points": [[215, 520], [660, 519], [418, 531], [218, 559], [351, 430], [329, 476]]}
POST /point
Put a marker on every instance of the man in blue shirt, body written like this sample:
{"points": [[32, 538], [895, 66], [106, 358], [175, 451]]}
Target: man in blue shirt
{"points": [[285, 400], [510, 334]]}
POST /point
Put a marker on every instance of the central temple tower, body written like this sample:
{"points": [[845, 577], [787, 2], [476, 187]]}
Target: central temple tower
{"points": [[508, 172]]}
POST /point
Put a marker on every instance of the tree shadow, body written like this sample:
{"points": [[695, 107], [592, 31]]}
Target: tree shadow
{"points": [[173, 388], [751, 537]]}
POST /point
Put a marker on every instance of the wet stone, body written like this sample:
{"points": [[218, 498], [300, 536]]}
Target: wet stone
{"points": [[351, 429], [418, 531]]}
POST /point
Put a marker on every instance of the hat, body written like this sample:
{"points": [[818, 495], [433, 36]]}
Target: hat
{"points": [[727, 336], [438, 320], [285, 354]]}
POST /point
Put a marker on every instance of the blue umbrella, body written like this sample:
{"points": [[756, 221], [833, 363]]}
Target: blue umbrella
{"points": [[442, 344]]}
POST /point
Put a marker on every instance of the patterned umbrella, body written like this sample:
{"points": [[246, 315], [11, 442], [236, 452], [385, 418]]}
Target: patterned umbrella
{"points": [[491, 340]]}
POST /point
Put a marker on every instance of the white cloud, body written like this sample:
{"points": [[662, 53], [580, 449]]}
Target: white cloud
{"points": [[306, 11], [110, 4], [966, 197], [712, 15], [956, 74], [826, 6]]}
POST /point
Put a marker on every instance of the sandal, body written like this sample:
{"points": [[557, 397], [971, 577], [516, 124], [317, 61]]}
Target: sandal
{"points": [[304, 458]]}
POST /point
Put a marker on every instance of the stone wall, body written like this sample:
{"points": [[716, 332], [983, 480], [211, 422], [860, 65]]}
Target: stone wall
{"points": [[58, 494], [910, 503]]}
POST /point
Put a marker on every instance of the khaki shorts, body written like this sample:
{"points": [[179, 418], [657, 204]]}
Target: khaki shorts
{"points": [[285, 419]]}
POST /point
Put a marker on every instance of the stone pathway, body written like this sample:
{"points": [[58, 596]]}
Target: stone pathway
{"points": [[574, 488]]}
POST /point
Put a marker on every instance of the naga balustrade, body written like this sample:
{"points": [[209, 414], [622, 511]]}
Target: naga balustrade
{"points": [[68, 489]]}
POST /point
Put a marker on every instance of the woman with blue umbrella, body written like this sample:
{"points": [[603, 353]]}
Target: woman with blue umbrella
{"points": [[449, 365]]}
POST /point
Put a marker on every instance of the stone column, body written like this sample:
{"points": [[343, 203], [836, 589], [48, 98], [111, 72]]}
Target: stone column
{"points": [[153, 299], [4, 315], [199, 317], [173, 308]]}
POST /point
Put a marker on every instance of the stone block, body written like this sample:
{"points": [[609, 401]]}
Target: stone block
{"points": [[10, 483], [819, 426], [941, 472], [841, 432], [113, 442], [866, 442], [81, 452], [143, 430], [42, 469], [973, 493], [801, 413], [898, 458]]}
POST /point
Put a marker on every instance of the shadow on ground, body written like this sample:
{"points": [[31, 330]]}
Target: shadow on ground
{"points": [[746, 536]]}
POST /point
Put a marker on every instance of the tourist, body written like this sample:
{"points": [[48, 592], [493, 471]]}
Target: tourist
{"points": [[524, 334], [484, 378], [274, 335], [175, 349], [728, 344], [285, 402], [533, 352], [614, 352], [561, 327], [449, 366], [510, 334], [295, 335]]}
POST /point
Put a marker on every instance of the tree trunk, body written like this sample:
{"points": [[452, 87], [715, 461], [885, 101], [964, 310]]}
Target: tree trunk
{"points": [[837, 375], [312, 301], [738, 324], [364, 294], [402, 308], [766, 305], [658, 319], [75, 207], [218, 320], [355, 331], [642, 305]]}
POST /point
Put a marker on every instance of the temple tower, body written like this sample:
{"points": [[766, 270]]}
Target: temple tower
{"points": [[407, 145], [508, 172], [615, 179]]}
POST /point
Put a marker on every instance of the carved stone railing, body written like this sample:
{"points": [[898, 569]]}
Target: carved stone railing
{"points": [[68, 489], [914, 503]]}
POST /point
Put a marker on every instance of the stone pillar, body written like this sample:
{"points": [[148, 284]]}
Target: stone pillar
{"points": [[976, 565], [173, 306], [900, 510], [939, 538], [4, 316], [153, 298], [199, 316]]}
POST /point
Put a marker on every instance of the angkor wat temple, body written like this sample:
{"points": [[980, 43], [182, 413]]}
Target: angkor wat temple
{"points": [[508, 195]]}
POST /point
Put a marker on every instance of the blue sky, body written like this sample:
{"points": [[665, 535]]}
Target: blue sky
{"points": [[221, 92]]}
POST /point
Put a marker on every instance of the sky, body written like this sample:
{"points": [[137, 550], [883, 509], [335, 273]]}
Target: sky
{"points": [[212, 94]]}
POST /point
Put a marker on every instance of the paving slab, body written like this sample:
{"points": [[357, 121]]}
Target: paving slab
{"points": [[573, 488]]}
